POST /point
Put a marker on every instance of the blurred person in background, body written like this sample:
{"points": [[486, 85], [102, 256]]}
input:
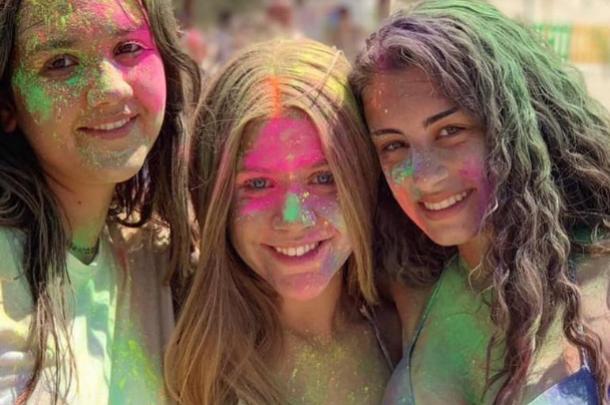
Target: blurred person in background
{"points": [[343, 32]]}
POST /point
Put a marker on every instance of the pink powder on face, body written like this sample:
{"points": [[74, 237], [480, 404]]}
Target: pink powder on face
{"points": [[472, 171], [152, 91], [147, 75], [285, 194], [276, 199], [284, 146], [274, 148], [476, 173]]}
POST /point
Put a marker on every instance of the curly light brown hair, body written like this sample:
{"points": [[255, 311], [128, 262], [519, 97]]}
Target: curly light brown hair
{"points": [[549, 162]]}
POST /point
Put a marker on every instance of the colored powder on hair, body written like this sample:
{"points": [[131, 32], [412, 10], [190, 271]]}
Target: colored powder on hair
{"points": [[292, 208], [36, 99], [274, 83]]}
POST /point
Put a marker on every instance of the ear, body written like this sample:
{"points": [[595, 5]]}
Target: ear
{"points": [[8, 118]]}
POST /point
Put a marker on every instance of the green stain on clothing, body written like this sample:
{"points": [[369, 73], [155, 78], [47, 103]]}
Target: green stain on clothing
{"points": [[403, 171], [36, 99], [292, 208]]}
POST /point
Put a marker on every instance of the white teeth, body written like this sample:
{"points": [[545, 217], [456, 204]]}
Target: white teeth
{"points": [[296, 251], [446, 203], [110, 127]]}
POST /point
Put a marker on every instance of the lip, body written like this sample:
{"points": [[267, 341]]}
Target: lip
{"points": [[116, 133], [308, 257], [446, 212]]}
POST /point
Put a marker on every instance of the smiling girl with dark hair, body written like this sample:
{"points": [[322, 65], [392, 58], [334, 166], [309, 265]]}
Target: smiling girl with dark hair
{"points": [[92, 197], [495, 212]]}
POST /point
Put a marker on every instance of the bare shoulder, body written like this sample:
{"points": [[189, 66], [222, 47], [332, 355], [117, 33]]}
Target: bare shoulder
{"points": [[410, 304], [390, 329]]}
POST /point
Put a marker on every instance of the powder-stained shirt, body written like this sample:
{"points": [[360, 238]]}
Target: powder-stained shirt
{"points": [[119, 319]]}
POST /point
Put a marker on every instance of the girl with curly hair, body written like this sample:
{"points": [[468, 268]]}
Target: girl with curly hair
{"points": [[495, 210]]}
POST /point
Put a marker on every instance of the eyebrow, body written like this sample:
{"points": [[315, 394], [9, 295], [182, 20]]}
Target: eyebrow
{"points": [[436, 117], [427, 122], [316, 165], [63, 43]]}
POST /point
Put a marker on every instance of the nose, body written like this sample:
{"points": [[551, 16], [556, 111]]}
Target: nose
{"points": [[429, 170], [294, 213], [109, 86]]}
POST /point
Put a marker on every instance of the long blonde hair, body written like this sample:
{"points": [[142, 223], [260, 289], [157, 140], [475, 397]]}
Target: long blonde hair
{"points": [[229, 329]]}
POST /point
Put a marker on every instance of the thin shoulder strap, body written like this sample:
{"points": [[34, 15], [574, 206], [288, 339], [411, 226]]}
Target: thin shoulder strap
{"points": [[424, 317], [369, 315]]}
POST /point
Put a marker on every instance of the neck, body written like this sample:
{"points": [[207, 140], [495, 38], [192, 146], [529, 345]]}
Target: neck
{"points": [[471, 252], [316, 317], [85, 208]]}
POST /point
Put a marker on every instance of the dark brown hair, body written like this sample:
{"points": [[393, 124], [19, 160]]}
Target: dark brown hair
{"points": [[549, 162], [158, 190]]}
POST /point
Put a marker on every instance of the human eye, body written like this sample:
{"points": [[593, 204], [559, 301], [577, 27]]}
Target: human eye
{"points": [[323, 178], [258, 184], [129, 48], [449, 131], [393, 145], [60, 64]]}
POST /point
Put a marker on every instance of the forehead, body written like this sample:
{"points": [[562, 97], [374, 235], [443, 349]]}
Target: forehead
{"points": [[409, 83], [285, 142], [47, 19], [396, 95]]}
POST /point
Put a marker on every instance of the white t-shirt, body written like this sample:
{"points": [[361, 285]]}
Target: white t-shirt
{"points": [[119, 314]]}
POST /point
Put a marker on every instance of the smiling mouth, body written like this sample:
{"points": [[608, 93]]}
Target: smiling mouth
{"points": [[111, 130], [446, 203], [297, 251]]}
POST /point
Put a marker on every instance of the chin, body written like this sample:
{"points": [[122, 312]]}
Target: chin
{"points": [[302, 290], [301, 295], [451, 238], [119, 175]]}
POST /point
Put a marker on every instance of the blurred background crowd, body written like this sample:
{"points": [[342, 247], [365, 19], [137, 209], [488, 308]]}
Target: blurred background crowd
{"points": [[579, 30]]}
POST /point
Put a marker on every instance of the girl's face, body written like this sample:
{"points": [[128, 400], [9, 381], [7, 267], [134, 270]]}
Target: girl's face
{"points": [[287, 223], [432, 153], [89, 87]]}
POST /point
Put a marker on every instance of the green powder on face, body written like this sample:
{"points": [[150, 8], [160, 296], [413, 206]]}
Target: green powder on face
{"points": [[78, 81], [292, 208], [36, 99], [403, 171]]}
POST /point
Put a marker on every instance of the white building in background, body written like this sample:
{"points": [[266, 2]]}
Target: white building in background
{"points": [[578, 29], [588, 25]]}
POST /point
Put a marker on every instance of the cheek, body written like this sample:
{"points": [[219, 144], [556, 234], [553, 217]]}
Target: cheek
{"points": [[249, 206], [474, 172], [244, 229], [327, 210], [404, 192], [330, 214], [399, 176], [46, 103], [400, 172], [149, 84]]}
